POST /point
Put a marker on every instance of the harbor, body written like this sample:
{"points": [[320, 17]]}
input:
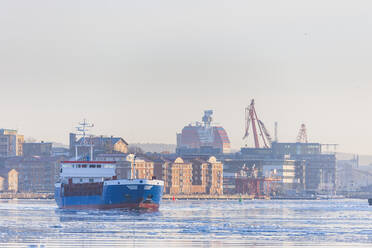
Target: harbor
{"points": [[180, 223]]}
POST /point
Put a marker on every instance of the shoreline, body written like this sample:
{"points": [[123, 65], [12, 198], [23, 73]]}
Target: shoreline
{"points": [[168, 197]]}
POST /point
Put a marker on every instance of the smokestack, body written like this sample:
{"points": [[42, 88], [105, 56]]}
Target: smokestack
{"points": [[276, 131]]}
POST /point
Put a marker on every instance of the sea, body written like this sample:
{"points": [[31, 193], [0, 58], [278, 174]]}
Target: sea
{"points": [[190, 223]]}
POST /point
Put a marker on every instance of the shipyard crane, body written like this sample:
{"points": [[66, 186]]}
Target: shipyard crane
{"points": [[252, 119], [302, 134]]}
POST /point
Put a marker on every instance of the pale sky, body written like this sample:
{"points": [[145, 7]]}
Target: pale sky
{"points": [[144, 69]]}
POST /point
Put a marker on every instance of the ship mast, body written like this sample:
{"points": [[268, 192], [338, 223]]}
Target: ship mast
{"points": [[82, 131]]}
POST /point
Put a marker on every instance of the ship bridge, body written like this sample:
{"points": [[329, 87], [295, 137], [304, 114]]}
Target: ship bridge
{"points": [[87, 171]]}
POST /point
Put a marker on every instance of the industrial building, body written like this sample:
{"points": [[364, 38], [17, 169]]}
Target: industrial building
{"points": [[278, 176], [352, 179], [203, 138], [272, 167], [320, 168]]}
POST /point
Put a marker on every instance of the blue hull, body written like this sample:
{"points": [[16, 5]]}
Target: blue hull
{"points": [[129, 196]]}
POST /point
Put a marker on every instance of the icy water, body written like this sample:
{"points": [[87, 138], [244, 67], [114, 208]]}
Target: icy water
{"points": [[257, 223]]}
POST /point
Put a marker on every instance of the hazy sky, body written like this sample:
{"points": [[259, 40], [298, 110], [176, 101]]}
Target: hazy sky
{"points": [[144, 69]]}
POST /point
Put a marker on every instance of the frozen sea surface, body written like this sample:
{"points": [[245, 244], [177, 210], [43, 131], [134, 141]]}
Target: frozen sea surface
{"points": [[257, 223]]}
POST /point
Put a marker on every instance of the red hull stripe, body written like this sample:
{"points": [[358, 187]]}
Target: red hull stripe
{"points": [[151, 206], [88, 162]]}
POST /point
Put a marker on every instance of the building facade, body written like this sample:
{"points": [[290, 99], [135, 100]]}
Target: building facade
{"points": [[193, 176], [101, 145], [32, 174], [11, 143], [180, 176], [320, 168], [37, 149]]}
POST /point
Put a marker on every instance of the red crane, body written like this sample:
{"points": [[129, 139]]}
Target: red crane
{"points": [[251, 117]]}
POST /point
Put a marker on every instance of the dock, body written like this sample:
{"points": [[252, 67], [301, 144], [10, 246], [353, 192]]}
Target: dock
{"points": [[26, 195], [9, 195], [208, 197]]}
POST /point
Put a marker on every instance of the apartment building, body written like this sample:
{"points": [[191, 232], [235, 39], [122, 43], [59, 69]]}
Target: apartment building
{"points": [[11, 143]]}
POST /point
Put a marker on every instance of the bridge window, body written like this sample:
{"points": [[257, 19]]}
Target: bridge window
{"points": [[92, 166]]}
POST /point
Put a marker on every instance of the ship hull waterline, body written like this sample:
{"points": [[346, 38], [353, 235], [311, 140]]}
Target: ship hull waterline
{"points": [[132, 197]]}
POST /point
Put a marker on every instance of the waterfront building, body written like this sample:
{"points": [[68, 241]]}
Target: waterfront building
{"points": [[100, 144], [13, 181], [320, 167], [32, 174], [143, 166], [8, 180], [60, 151], [2, 183], [193, 176], [180, 177], [37, 149], [315, 171], [281, 174], [11, 143], [352, 178], [215, 176]]}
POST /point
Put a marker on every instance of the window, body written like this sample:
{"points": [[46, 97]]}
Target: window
{"points": [[91, 180], [92, 166]]}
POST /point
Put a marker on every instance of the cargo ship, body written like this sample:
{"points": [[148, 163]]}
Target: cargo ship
{"points": [[89, 184]]}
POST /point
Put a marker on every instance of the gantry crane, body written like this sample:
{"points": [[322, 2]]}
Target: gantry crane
{"points": [[302, 134]]}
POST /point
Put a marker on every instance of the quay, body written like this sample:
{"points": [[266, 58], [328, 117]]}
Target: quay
{"points": [[165, 197], [8, 195], [208, 197], [26, 196]]}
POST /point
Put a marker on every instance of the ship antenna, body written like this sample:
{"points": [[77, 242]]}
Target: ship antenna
{"points": [[82, 130]]}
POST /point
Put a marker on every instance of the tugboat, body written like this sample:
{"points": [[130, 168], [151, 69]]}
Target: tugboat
{"points": [[88, 184]]}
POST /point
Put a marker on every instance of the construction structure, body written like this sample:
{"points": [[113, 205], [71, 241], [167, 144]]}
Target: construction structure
{"points": [[258, 128], [253, 173], [203, 138], [250, 182], [302, 134]]}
